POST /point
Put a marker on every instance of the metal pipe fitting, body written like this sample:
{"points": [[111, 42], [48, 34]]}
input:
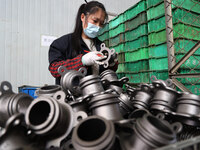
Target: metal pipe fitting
{"points": [[91, 84], [70, 79], [100, 137], [48, 90], [52, 118], [15, 136], [110, 53], [164, 98], [11, 103], [151, 132], [126, 106], [109, 75], [142, 97], [105, 105]]}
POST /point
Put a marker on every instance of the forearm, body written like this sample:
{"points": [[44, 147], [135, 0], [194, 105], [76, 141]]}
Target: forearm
{"points": [[70, 64]]}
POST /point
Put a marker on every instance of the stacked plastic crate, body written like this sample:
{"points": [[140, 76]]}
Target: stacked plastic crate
{"points": [[186, 28], [104, 34], [136, 43]]}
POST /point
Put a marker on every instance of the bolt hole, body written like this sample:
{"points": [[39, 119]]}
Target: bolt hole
{"points": [[79, 118], [6, 88], [58, 97]]}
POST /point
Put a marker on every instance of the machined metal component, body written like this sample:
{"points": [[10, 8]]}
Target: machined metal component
{"points": [[151, 132], [70, 79], [109, 75], [110, 53], [142, 97], [11, 103], [105, 105], [15, 136], [125, 104], [49, 90], [164, 98], [100, 137], [90, 85], [52, 118]]}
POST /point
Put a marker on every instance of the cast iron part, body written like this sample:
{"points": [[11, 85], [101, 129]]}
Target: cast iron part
{"points": [[52, 118], [105, 105], [49, 90], [164, 98], [151, 132], [101, 135], [15, 136], [110, 53], [109, 75], [80, 104], [142, 97], [126, 106], [11, 103], [70, 79], [91, 84]]}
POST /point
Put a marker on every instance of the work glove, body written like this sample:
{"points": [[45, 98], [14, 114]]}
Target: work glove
{"points": [[92, 58]]}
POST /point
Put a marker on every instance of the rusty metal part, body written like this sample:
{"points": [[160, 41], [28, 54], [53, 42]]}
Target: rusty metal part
{"points": [[100, 137], [91, 84], [52, 118], [11, 103], [110, 53], [49, 90], [105, 105], [16, 136], [70, 79]]}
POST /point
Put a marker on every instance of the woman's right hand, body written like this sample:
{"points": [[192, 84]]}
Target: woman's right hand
{"points": [[91, 58]]}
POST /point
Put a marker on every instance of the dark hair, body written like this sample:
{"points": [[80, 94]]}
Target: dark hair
{"points": [[87, 8]]}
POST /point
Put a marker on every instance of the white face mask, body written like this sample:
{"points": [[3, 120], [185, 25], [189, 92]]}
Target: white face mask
{"points": [[92, 30]]}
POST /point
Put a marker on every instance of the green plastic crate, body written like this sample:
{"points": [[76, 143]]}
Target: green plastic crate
{"points": [[137, 66], [138, 54], [180, 46], [189, 80], [116, 21], [136, 9], [121, 57], [120, 75], [117, 30], [140, 77], [121, 68], [179, 15], [106, 42], [135, 33], [192, 62], [158, 64], [151, 3], [104, 36], [163, 74], [116, 40], [119, 48], [140, 42], [180, 31], [136, 21], [159, 10]]}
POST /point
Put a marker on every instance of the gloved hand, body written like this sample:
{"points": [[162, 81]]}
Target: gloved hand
{"points": [[91, 58]]}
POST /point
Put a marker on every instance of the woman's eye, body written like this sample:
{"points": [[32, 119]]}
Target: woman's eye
{"points": [[95, 21]]}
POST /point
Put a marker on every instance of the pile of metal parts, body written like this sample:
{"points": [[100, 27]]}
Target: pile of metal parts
{"points": [[96, 113]]}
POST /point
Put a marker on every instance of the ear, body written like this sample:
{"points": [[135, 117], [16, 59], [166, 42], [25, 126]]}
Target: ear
{"points": [[82, 17]]}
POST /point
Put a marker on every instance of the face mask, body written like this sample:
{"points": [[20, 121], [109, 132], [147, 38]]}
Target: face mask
{"points": [[92, 30]]}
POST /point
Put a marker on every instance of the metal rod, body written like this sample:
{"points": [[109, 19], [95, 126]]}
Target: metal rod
{"points": [[185, 75], [185, 57], [169, 34], [180, 86]]}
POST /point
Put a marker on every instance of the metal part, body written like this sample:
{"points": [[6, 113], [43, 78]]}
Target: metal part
{"points": [[164, 98], [105, 105], [100, 137], [70, 79], [91, 84], [80, 104], [52, 118], [11, 103], [126, 107], [151, 132], [49, 90], [15, 136], [110, 53], [142, 97], [109, 75]]}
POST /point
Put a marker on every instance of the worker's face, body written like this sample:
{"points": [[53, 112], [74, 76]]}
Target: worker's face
{"points": [[97, 18]]}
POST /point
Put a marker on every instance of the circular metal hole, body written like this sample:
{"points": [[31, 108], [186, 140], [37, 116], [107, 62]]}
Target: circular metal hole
{"points": [[96, 127], [6, 88], [79, 118]]}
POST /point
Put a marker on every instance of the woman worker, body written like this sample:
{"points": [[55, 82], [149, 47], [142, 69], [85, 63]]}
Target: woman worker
{"points": [[80, 48]]}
